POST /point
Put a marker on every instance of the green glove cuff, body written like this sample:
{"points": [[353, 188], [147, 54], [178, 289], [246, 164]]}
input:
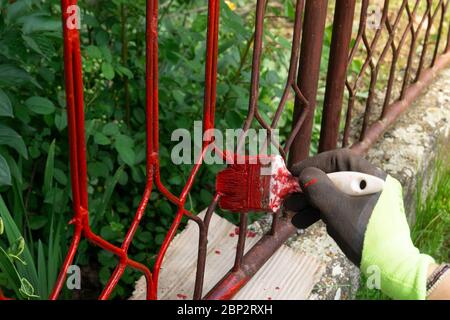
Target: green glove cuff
{"points": [[388, 248]]}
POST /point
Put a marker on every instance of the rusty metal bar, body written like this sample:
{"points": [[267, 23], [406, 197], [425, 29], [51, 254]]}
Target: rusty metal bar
{"points": [[202, 249], [395, 109], [252, 261], [337, 73], [308, 75]]}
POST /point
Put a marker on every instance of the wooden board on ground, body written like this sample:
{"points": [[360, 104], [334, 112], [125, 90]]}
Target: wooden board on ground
{"points": [[288, 274]]}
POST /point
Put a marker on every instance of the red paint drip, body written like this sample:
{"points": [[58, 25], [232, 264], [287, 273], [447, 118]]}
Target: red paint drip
{"points": [[251, 234], [232, 235], [182, 296], [217, 252]]}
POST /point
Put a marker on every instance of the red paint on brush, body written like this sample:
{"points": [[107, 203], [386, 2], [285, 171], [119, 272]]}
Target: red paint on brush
{"points": [[255, 184], [283, 183]]}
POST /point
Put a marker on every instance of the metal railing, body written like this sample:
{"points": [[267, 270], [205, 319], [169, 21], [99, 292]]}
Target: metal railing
{"points": [[410, 44]]}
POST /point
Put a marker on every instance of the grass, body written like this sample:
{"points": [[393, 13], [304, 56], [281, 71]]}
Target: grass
{"points": [[431, 231]]}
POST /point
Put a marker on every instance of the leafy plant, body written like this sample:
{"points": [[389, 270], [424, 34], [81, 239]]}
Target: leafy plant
{"points": [[14, 260]]}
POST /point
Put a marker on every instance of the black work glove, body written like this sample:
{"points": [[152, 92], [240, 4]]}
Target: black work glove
{"points": [[346, 217], [371, 230]]}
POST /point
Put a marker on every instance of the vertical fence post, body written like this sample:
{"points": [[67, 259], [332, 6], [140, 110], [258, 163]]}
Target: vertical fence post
{"points": [[337, 73], [308, 75]]}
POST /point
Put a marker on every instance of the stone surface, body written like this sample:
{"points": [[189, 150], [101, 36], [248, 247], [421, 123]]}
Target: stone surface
{"points": [[409, 150]]}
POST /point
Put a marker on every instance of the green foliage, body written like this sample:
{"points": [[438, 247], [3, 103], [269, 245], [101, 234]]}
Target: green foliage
{"points": [[16, 263], [431, 231]]}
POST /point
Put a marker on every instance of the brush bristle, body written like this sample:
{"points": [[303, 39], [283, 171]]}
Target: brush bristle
{"points": [[243, 188], [255, 184]]}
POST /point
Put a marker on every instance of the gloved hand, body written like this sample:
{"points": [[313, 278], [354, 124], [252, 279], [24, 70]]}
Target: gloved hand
{"points": [[371, 230]]}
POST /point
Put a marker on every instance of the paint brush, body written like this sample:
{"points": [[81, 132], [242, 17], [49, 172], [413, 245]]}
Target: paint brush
{"points": [[261, 183]]}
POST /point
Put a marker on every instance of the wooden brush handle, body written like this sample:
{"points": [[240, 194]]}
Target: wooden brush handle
{"points": [[356, 183]]}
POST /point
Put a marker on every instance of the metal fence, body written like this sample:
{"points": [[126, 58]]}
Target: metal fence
{"points": [[408, 41]]}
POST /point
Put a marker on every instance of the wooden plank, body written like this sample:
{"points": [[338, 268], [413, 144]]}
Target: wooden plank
{"points": [[289, 274]]}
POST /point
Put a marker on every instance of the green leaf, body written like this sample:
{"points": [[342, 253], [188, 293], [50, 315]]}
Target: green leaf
{"points": [[93, 52], [40, 105], [54, 253], [7, 267], [11, 138], [17, 9], [49, 169], [61, 121], [60, 176], [42, 270], [37, 222], [32, 44], [107, 233], [101, 139], [16, 173], [159, 239], [27, 290], [110, 186], [12, 233], [124, 146], [145, 236], [111, 129], [5, 173], [39, 23], [108, 71], [13, 76], [124, 71], [17, 248], [5, 105], [175, 180]]}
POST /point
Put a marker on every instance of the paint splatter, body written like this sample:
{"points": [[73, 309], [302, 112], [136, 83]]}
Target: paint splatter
{"points": [[251, 234], [236, 231], [277, 288], [269, 298], [181, 296], [217, 252], [232, 235]]}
